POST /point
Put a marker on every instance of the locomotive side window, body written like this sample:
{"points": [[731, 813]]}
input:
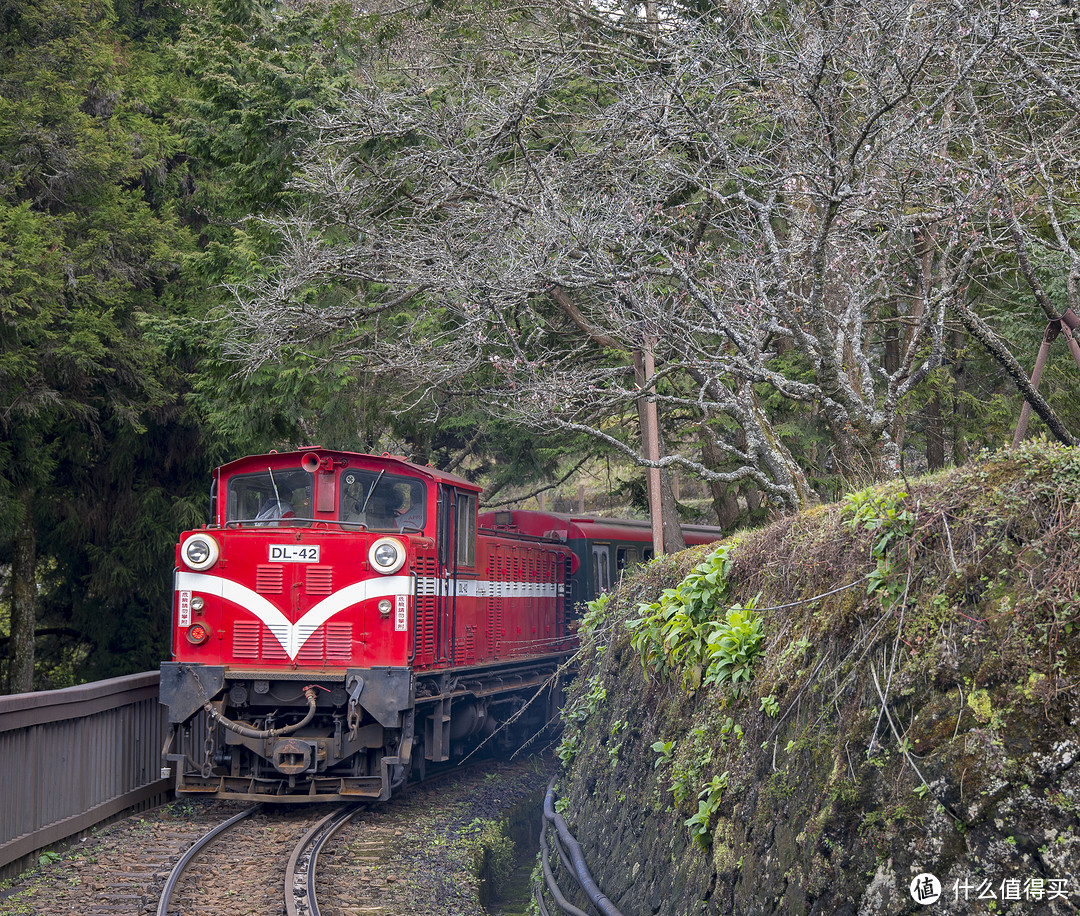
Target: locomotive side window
{"points": [[466, 533], [277, 498], [382, 502]]}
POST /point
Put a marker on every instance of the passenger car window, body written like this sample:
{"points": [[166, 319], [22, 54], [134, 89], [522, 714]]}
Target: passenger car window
{"points": [[601, 558]]}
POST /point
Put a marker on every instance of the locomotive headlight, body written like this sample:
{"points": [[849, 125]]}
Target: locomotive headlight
{"points": [[385, 607], [387, 555], [200, 551], [197, 603]]}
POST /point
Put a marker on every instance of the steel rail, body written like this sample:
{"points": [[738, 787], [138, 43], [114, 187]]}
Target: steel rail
{"points": [[322, 831], [199, 846], [315, 838]]}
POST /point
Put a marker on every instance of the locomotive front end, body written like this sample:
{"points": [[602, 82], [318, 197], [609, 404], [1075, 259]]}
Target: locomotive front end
{"points": [[292, 634]]}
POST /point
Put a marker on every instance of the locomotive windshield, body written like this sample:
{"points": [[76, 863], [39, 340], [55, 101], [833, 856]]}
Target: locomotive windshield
{"points": [[380, 501], [279, 498]]}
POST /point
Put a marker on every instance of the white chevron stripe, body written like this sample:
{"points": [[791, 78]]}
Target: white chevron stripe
{"points": [[292, 636], [289, 634]]}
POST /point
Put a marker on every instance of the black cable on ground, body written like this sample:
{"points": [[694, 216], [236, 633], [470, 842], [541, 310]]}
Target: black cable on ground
{"points": [[549, 879], [581, 869]]}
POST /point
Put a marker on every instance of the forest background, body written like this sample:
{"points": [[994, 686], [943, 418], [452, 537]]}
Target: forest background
{"points": [[462, 231]]}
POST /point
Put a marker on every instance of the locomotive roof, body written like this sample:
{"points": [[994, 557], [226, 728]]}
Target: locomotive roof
{"points": [[289, 459]]}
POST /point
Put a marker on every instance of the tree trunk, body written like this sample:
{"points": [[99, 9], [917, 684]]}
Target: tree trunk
{"points": [[669, 511], [725, 498], [23, 598], [957, 444], [673, 536], [935, 434]]}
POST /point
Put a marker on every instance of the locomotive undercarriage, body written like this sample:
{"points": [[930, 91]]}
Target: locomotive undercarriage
{"points": [[244, 734]]}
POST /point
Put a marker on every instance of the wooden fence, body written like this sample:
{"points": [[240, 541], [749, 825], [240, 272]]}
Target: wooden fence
{"points": [[72, 758]]}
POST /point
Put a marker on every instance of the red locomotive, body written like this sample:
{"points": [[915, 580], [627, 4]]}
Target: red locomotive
{"points": [[344, 619]]}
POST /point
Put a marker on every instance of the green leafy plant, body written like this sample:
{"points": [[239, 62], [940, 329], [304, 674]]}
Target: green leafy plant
{"points": [[695, 758], [889, 521], [588, 703], [681, 632], [730, 728], [881, 514], [568, 748], [680, 788], [616, 745], [664, 751], [734, 646], [671, 632], [700, 823], [770, 706], [596, 614]]}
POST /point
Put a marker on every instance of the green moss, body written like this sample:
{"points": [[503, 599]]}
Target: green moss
{"points": [[973, 655], [981, 705]]}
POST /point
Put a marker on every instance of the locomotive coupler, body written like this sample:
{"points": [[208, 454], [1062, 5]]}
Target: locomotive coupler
{"points": [[293, 756]]}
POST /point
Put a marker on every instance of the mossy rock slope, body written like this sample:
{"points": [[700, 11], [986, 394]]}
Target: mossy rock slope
{"points": [[913, 709]]}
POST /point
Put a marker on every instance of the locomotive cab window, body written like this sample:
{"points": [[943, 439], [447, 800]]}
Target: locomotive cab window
{"points": [[270, 498], [382, 502]]}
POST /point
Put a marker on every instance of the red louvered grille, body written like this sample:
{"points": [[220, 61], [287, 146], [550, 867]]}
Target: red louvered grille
{"points": [[269, 579], [320, 580], [465, 648], [246, 639], [314, 648], [339, 641], [427, 572], [497, 575], [272, 650]]}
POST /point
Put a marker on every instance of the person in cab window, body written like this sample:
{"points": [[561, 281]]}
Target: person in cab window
{"points": [[301, 502], [407, 514], [273, 511]]}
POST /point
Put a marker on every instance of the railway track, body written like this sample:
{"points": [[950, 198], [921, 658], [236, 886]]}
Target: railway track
{"points": [[301, 898], [416, 854], [239, 866]]}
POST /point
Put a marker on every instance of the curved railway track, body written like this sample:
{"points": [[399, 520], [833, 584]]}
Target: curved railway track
{"points": [[239, 866], [300, 894], [415, 854], [251, 843], [187, 858]]}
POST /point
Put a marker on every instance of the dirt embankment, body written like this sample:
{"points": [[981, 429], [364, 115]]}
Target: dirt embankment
{"points": [[895, 696]]}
